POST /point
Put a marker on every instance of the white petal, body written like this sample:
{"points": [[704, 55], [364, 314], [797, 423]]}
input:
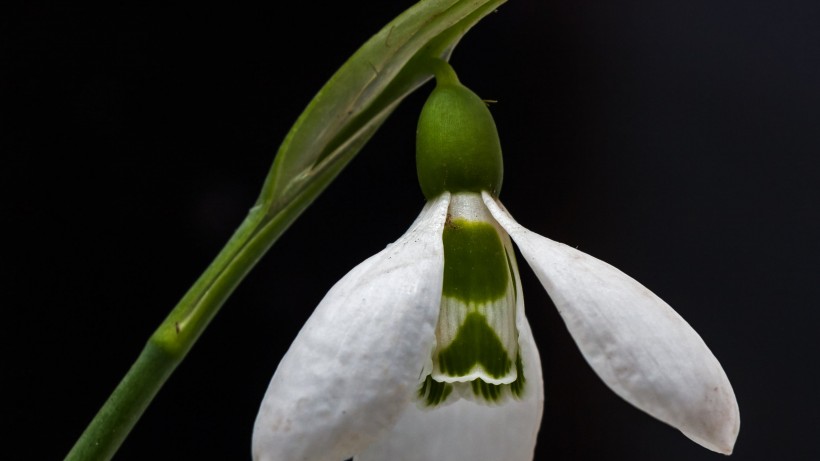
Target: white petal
{"points": [[641, 348], [355, 364], [467, 430]]}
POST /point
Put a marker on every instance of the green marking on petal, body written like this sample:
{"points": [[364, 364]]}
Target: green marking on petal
{"points": [[517, 386], [496, 392], [475, 263], [487, 391], [476, 354], [476, 344], [433, 392], [510, 258]]}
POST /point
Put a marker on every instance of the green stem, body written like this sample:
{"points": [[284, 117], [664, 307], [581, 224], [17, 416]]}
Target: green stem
{"points": [[445, 74], [177, 334], [115, 419]]}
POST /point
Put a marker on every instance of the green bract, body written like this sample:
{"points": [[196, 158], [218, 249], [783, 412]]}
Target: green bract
{"points": [[457, 146]]}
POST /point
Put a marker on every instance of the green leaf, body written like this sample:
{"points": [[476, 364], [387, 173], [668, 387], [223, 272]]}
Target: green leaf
{"points": [[363, 92]]}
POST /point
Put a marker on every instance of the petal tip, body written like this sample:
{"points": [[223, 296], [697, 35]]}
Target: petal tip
{"points": [[720, 445], [722, 438]]}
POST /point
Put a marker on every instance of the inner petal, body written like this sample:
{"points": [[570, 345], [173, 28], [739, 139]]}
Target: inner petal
{"points": [[476, 337]]}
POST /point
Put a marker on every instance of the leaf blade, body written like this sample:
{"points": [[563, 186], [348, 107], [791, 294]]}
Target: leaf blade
{"points": [[351, 106]]}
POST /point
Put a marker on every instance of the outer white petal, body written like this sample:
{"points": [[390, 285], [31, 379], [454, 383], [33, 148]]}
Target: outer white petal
{"points": [[355, 364], [466, 430], [641, 348]]}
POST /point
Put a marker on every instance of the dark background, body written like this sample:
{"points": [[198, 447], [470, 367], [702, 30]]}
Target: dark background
{"points": [[677, 140]]}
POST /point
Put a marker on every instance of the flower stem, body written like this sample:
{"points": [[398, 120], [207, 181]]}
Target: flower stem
{"points": [[169, 344], [444, 72], [126, 404]]}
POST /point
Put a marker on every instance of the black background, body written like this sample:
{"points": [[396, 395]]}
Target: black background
{"points": [[677, 140]]}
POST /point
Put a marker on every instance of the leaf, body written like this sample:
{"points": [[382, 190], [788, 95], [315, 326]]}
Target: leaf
{"points": [[352, 105]]}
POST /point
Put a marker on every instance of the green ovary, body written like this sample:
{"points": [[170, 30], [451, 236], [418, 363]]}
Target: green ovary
{"points": [[457, 145]]}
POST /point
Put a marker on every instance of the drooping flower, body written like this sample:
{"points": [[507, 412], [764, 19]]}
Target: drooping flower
{"points": [[423, 352]]}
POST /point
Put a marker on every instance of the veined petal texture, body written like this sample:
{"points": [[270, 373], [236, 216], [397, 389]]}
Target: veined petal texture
{"points": [[355, 365], [641, 348]]}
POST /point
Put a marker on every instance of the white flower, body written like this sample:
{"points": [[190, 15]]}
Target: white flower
{"points": [[349, 383], [423, 352]]}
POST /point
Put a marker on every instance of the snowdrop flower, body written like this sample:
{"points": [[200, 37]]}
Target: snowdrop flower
{"points": [[423, 351]]}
